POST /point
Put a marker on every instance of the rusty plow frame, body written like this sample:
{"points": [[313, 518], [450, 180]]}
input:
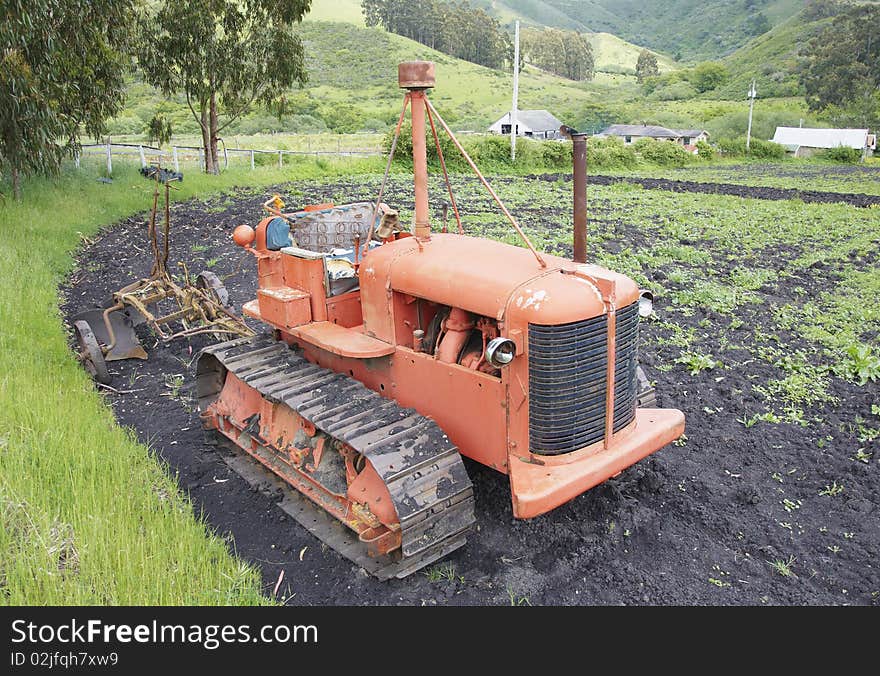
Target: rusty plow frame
{"points": [[200, 306]]}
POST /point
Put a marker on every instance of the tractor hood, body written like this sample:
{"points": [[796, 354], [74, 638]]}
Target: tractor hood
{"points": [[491, 278]]}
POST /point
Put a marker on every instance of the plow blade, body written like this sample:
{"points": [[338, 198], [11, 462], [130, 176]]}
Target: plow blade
{"points": [[126, 344]]}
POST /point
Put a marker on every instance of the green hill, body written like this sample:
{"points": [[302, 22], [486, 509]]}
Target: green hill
{"points": [[613, 54], [353, 87], [771, 59], [692, 29]]}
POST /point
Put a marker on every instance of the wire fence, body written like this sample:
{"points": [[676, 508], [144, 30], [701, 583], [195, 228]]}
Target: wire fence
{"points": [[178, 155]]}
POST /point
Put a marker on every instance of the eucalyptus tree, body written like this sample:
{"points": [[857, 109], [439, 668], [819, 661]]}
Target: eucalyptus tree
{"points": [[62, 66], [224, 56]]}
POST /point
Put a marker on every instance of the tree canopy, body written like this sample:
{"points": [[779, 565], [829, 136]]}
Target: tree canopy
{"points": [[840, 72], [564, 53], [454, 28], [646, 66], [707, 75], [225, 56], [61, 73]]}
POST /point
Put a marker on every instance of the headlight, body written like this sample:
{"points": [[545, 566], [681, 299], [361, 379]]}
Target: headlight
{"points": [[500, 351], [646, 303]]}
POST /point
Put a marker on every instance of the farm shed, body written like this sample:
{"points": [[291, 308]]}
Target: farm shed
{"points": [[633, 132], [690, 137], [538, 124], [804, 141]]}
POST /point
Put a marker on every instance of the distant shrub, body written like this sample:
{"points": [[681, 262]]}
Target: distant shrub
{"points": [[616, 69], [489, 149], [610, 153], [842, 154], [765, 150], [259, 123], [707, 75], [705, 151], [662, 153], [125, 123], [403, 152], [305, 124], [677, 91], [655, 82], [556, 154], [342, 118], [373, 125]]}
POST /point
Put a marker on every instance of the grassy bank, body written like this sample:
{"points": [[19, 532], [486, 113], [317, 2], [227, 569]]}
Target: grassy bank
{"points": [[87, 514]]}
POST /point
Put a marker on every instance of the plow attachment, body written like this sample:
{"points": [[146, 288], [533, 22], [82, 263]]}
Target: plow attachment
{"points": [[172, 308]]}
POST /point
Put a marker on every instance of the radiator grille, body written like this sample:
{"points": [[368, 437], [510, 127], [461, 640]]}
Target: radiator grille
{"points": [[567, 381]]}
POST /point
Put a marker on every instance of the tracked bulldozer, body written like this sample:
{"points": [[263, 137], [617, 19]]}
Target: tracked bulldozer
{"points": [[390, 355]]}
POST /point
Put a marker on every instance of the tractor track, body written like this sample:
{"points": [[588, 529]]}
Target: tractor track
{"points": [[420, 466]]}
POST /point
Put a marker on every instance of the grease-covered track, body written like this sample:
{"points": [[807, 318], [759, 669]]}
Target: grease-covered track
{"points": [[420, 466]]}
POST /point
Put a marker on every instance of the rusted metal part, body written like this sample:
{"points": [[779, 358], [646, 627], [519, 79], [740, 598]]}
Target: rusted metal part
{"points": [[415, 461], [415, 75], [198, 308], [579, 154], [422, 228]]}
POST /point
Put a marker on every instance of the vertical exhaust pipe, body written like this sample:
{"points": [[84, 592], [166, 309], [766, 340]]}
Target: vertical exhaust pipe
{"points": [[579, 176], [418, 76]]}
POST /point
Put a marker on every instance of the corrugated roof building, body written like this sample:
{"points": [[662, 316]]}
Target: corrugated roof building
{"points": [[804, 141]]}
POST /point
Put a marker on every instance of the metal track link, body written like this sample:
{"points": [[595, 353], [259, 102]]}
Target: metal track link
{"points": [[419, 464]]}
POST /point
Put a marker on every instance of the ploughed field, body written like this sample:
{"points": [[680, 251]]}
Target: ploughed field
{"points": [[765, 334]]}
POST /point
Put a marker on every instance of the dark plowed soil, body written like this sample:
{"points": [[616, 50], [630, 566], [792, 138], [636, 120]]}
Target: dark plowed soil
{"points": [[700, 523], [735, 190]]}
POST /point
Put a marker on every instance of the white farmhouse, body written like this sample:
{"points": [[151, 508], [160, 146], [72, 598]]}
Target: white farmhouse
{"points": [[538, 124]]}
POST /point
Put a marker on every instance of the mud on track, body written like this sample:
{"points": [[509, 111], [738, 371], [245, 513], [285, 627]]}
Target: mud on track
{"points": [[695, 524]]}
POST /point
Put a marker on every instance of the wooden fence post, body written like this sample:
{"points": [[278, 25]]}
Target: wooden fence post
{"points": [[176, 161], [252, 159], [109, 159], [143, 158], [280, 158]]}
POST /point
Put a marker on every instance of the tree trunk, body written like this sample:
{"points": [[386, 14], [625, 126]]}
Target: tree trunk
{"points": [[16, 184], [214, 123], [206, 140]]}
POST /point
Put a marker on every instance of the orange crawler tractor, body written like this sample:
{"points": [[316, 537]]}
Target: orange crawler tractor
{"points": [[393, 354]]}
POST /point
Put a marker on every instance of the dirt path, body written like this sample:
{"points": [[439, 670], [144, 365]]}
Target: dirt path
{"points": [[697, 524]]}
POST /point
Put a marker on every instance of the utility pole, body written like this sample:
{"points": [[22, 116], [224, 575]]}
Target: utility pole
{"points": [[513, 111], [753, 92]]}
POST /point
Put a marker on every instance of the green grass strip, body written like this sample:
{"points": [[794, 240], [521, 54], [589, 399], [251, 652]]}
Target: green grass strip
{"points": [[87, 514]]}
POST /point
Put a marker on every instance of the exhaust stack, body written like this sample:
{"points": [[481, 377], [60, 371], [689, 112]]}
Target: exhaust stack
{"points": [[417, 76], [579, 175]]}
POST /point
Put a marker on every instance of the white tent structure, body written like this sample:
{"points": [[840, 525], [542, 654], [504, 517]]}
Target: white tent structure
{"points": [[804, 141]]}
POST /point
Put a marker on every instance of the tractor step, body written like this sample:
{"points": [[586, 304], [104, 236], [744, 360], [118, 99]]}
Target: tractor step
{"points": [[418, 463]]}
